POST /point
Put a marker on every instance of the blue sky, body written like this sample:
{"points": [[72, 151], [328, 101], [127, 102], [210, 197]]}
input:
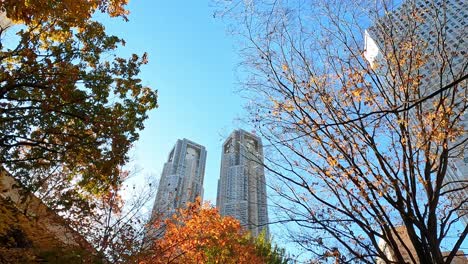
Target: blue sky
{"points": [[192, 62]]}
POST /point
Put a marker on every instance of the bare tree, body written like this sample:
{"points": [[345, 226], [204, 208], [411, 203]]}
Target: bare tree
{"points": [[118, 224], [362, 103], [114, 223]]}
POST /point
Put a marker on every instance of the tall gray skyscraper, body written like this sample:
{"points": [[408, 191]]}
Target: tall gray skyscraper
{"points": [[182, 178], [241, 186]]}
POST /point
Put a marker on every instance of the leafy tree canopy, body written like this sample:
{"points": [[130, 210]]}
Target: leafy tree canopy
{"points": [[70, 109]]}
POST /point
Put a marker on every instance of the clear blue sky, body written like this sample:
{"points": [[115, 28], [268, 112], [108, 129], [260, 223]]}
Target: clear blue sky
{"points": [[192, 63]]}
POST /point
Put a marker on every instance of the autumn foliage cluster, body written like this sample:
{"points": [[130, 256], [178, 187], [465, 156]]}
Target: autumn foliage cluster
{"points": [[199, 234]]}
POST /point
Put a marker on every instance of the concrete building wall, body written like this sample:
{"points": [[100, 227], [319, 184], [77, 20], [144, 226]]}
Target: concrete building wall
{"points": [[407, 250], [40, 228], [182, 177]]}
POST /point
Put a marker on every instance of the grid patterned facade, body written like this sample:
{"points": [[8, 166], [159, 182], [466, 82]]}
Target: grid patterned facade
{"points": [[182, 178], [241, 186]]}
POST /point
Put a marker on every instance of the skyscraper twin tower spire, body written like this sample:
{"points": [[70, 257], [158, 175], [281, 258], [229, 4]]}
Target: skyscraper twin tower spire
{"points": [[241, 186]]}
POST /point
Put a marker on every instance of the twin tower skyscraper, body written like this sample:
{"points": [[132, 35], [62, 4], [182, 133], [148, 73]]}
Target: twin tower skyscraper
{"points": [[241, 185]]}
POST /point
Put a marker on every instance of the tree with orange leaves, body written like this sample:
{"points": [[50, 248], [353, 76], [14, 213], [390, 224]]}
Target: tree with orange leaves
{"points": [[199, 234]]}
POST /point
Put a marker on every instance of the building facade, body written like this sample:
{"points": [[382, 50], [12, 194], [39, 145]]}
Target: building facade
{"points": [[407, 250], [181, 180], [31, 232], [241, 186], [449, 35]]}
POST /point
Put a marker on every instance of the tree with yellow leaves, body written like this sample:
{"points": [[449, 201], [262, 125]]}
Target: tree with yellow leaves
{"points": [[363, 104], [68, 115], [70, 109]]}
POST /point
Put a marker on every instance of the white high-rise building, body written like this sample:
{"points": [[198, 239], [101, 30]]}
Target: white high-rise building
{"points": [[182, 178], [241, 186], [442, 30]]}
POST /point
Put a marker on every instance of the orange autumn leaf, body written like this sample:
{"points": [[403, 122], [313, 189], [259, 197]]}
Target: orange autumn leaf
{"points": [[199, 234]]}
